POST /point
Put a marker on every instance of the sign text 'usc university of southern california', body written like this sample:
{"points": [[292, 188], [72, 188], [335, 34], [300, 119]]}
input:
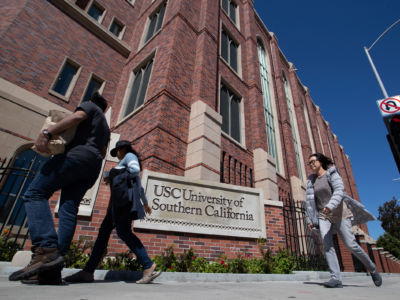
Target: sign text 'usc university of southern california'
{"points": [[197, 206]]}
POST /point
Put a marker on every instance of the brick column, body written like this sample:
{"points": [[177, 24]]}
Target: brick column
{"points": [[378, 261], [347, 259], [204, 143], [385, 259], [391, 263]]}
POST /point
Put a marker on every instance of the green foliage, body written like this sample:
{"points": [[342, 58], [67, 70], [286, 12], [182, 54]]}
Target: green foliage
{"points": [[188, 261], [77, 256], [7, 247], [283, 262], [389, 215], [389, 243]]}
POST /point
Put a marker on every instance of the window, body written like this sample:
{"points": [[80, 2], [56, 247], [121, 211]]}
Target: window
{"points": [[94, 85], [320, 139], [82, 3], [230, 111], [155, 22], [138, 88], [310, 136], [268, 110], [230, 7], [229, 50], [66, 78], [117, 28], [289, 101], [96, 12]]}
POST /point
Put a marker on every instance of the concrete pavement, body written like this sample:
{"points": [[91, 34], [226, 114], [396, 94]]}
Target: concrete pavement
{"points": [[193, 286]]}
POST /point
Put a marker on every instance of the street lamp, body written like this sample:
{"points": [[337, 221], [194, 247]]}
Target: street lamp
{"points": [[385, 94]]}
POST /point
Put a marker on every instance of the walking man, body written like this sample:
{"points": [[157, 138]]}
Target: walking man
{"points": [[74, 172]]}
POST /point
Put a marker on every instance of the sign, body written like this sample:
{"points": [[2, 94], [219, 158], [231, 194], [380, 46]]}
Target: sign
{"points": [[389, 106], [205, 207]]}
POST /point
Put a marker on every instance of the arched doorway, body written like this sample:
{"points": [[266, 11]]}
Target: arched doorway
{"points": [[15, 177]]}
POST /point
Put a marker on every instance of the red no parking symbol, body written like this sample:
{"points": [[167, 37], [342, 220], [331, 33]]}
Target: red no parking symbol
{"points": [[390, 105]]}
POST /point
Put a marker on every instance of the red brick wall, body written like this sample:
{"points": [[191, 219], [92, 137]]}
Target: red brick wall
{"points": [[37, 37]]}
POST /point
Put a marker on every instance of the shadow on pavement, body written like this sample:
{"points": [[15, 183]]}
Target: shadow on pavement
{"points": [[321, 284]]}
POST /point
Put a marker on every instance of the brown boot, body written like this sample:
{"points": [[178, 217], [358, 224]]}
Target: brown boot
{"points": [[42, 259]]}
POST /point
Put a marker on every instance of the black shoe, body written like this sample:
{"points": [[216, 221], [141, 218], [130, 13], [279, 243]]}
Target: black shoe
{"points": [[333, 283], [50, 277], [376, 277], [43, 259]]}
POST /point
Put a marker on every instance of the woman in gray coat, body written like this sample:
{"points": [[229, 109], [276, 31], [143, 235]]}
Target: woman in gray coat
{"points": [[330, 209]]}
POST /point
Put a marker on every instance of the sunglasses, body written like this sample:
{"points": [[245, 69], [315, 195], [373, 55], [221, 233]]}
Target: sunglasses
{"points": [[311, 162]]}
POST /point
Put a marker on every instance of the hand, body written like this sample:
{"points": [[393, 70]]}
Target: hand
{"points": [[107, 180], [310, 226], [41, 143], [147, 209], [326, 210]]}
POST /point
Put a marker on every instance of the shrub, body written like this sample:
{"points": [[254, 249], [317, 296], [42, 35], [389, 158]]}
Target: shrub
{"points": [[7, 247], [188, 261], [77, 256], [121, 262]]}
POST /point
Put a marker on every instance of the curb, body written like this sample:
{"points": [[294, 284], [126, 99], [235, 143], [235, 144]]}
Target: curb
{"points": [[105, 275]]}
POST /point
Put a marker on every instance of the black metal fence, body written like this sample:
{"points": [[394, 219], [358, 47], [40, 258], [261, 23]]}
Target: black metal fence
{"points": [[304, 244], [15, 177]]}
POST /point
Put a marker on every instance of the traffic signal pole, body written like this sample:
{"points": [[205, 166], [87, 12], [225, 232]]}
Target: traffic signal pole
{"points": [[392, 122], [378, 78]]}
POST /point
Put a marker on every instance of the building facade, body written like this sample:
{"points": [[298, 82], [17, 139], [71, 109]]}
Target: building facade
{"points": [[223, 124]]}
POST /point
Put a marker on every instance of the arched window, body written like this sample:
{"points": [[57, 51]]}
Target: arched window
{"points": [[290, 105], [268, 110]]}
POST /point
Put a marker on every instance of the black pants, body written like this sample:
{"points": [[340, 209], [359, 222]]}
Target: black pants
{"points": [[123, 224]]}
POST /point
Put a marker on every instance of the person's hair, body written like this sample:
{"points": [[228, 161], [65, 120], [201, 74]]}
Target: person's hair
{"points": [[130, 149], [99, 100], [326, 162]]}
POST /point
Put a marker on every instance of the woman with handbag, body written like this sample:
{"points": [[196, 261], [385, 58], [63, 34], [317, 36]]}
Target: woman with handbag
{"points": [[329, 208], [124, 206]]}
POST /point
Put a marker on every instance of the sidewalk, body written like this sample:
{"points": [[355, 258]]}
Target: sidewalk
{"points": [[119, 285]]}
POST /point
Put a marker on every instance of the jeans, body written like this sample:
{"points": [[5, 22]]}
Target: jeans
{"points": [[74, 178], [123, 224], [344, 229]]}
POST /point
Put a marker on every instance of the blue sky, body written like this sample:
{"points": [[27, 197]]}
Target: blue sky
{"points": [[325, 40]]}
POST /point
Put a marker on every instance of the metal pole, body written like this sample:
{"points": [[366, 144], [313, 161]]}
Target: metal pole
{"points": [[385, 94]]}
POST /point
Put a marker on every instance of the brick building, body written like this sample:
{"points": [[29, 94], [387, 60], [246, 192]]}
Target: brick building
{"points": [[204, 94]]}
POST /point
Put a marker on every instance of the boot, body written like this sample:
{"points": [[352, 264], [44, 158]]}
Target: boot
{"points": [[42, 259], [49, 277]]}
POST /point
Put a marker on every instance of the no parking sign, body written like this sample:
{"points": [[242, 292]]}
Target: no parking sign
{"points": [[389, 106]]}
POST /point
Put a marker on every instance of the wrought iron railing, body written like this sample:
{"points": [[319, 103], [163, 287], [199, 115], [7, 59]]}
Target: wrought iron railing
{"points": [[304, 244]]}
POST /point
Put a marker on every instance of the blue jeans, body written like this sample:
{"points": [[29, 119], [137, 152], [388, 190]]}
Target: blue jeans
{"points": [[74, 178], [123, 224]]}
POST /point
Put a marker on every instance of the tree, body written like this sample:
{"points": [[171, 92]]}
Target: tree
{"points": [[389, 215], [389, 243]]}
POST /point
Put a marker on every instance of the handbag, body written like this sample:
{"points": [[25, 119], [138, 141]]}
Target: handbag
{"points": [[57, 142]]}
